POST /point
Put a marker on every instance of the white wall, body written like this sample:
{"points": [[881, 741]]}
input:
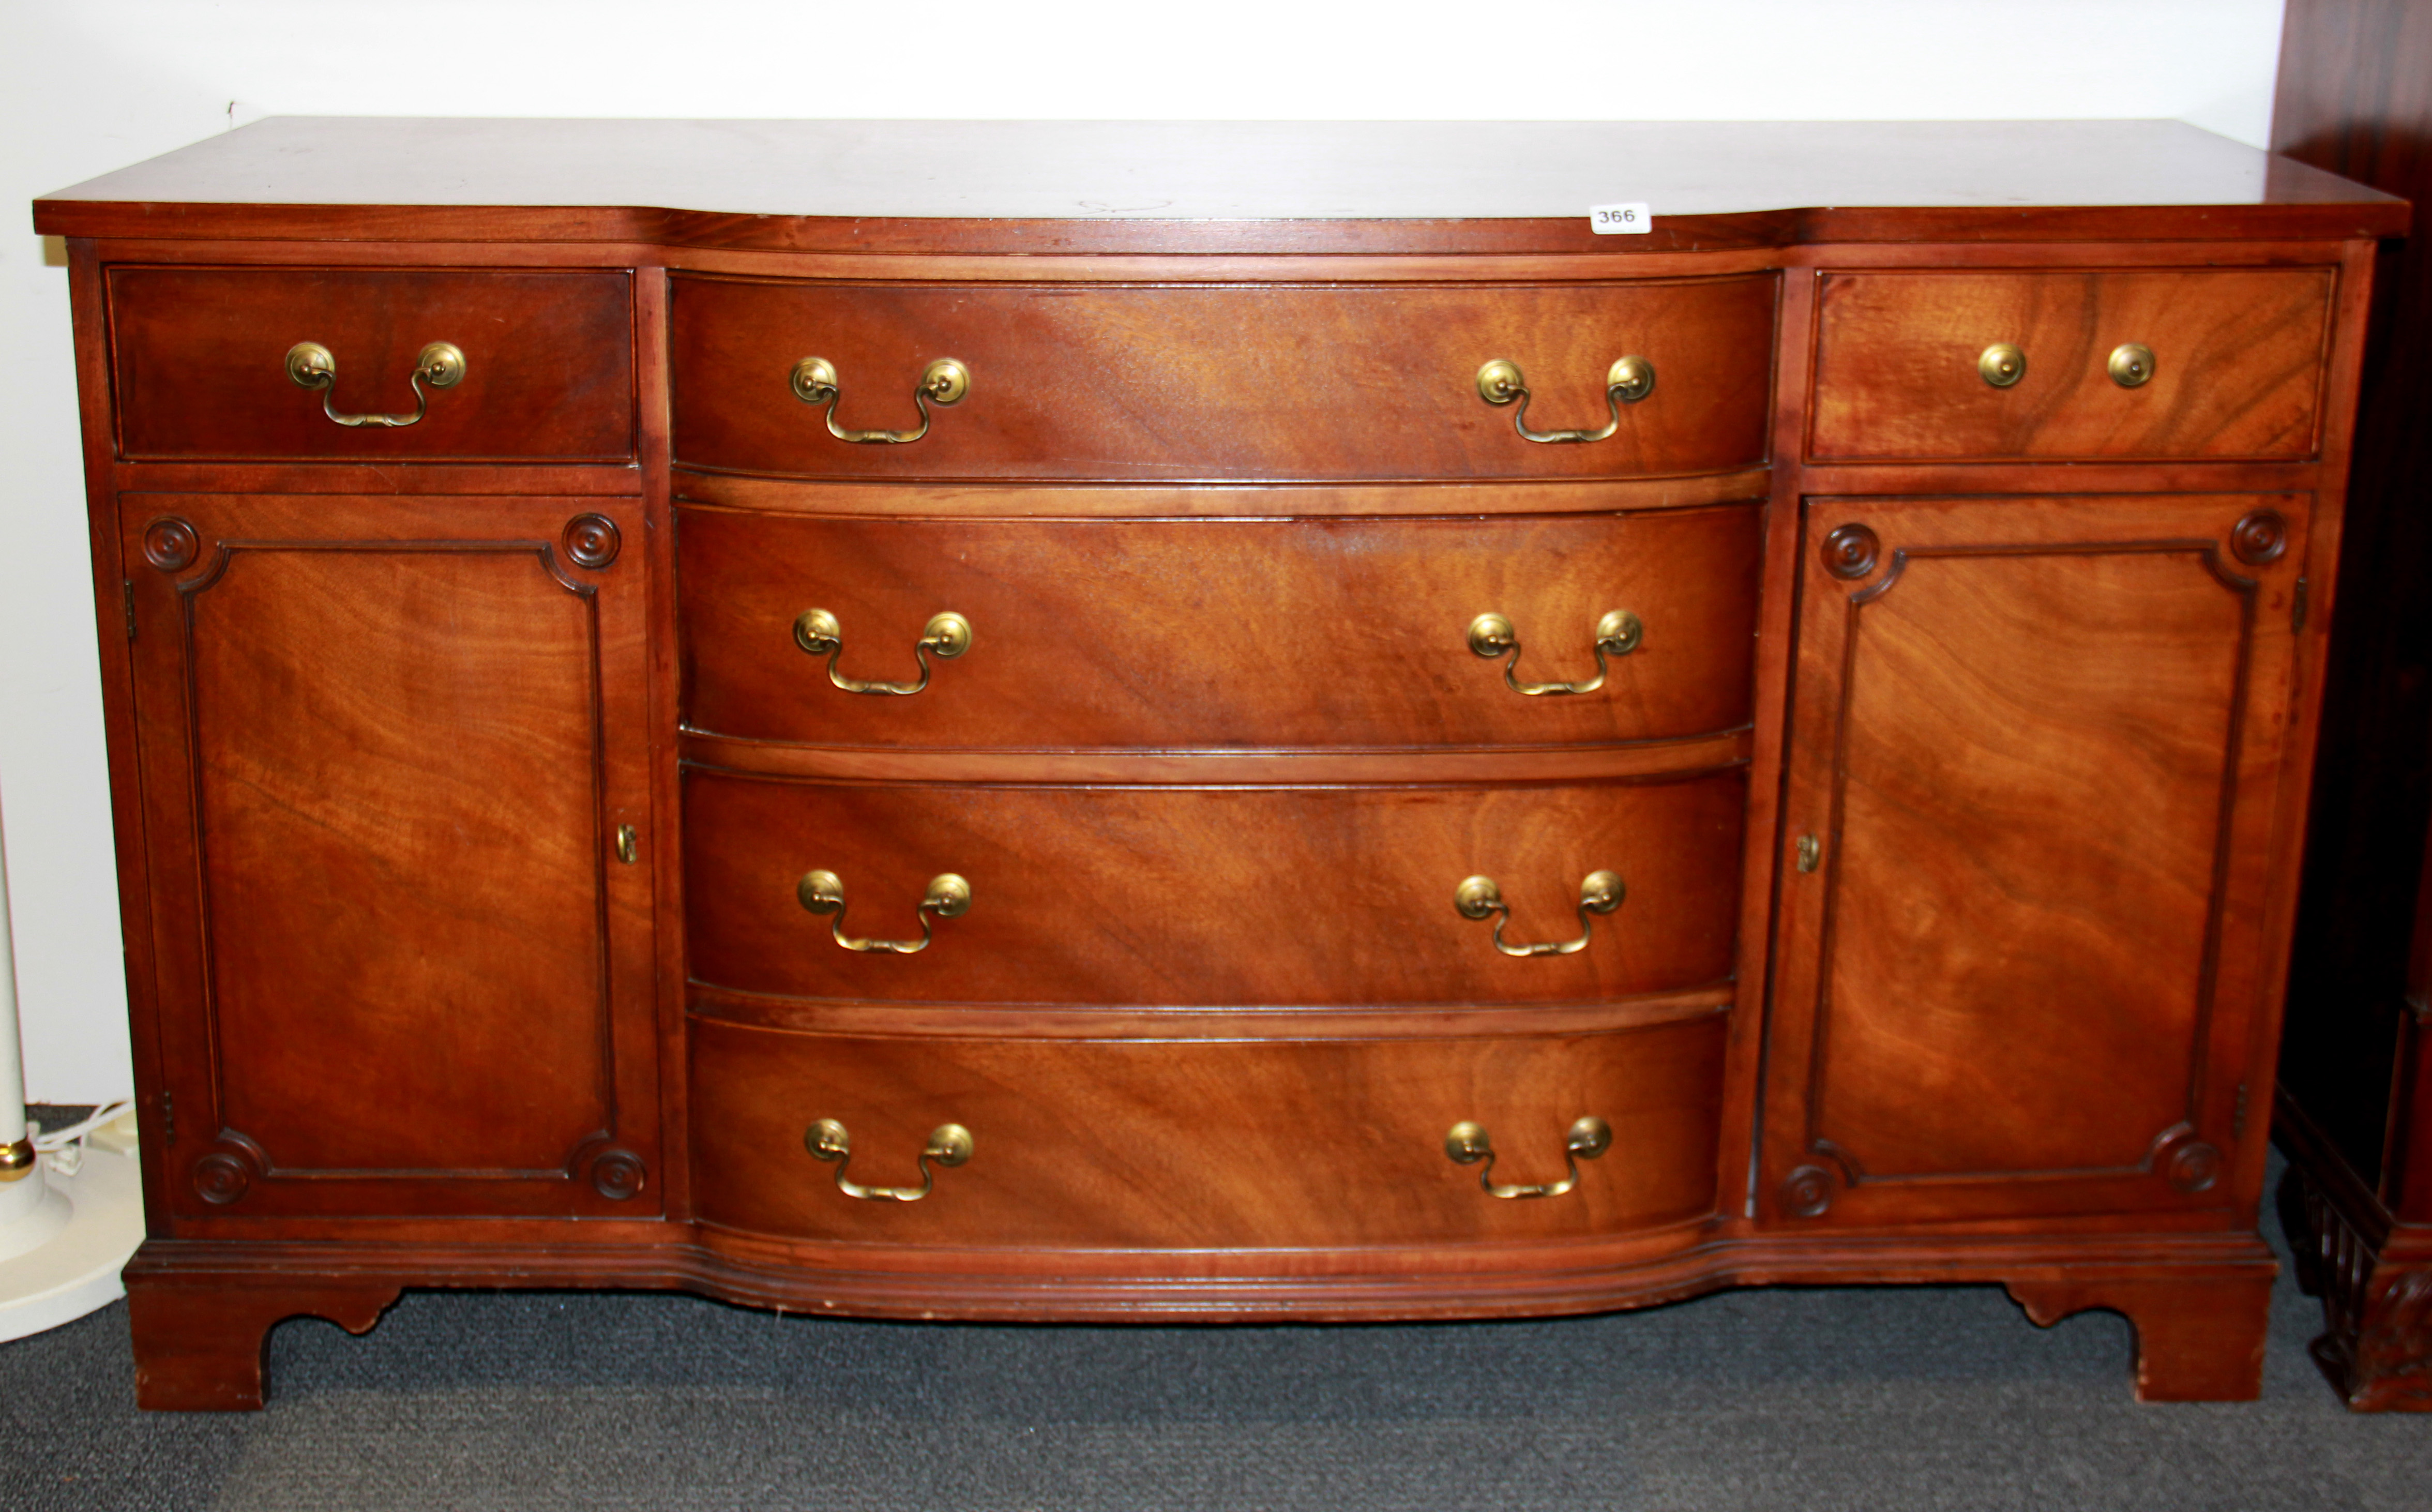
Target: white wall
{"points": [[91, 84]]}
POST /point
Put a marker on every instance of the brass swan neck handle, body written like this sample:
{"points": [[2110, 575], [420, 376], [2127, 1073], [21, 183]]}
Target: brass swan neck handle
{"points": [[1467, 1144], [946, 636], [823, 893], [1628, 381], [313, 366], [942, 382], [1618, 633], [950, 1144], [1600, 892]]}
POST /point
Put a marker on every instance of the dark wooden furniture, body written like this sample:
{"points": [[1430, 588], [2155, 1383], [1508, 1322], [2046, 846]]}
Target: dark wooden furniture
{"points": [[2356, 1098], [1274, 729]]}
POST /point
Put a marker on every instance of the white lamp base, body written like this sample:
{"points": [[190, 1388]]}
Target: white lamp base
{"points": [[60, 1260]]}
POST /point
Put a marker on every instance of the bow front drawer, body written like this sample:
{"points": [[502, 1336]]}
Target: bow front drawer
{"points": [[1183, 1144], [1212, 896], [331, 364], [1247, 382], [1219, 635], [2205, 363]]}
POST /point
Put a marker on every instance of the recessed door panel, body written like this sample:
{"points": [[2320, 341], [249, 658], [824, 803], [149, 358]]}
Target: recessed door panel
{"points": [[2033, 775], [386, 761]]}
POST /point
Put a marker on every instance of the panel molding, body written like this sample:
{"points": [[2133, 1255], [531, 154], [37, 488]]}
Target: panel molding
{"points": [[235, 1161], [2175, 1154]]}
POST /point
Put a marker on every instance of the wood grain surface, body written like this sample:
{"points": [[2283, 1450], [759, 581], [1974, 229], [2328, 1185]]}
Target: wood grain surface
{"points": [[1044, 186], [1221, 897], [2238, 368], [1194, 1146], [1219, 634], [199, 362], [2038, 742], [384, 704], [385, 754], [1271, 381]]}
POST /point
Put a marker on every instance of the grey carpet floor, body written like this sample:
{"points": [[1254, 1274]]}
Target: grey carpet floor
{"points": [[1873, 1398]]}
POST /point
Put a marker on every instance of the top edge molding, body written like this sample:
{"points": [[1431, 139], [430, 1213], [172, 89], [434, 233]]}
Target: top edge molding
{"points": [[1049, 188]]}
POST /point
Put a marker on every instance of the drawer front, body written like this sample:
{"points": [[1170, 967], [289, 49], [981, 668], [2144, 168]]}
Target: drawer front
{"points": [[200, 361], [1202, 1144], [1221, 633], [2235, 370], [1142, 383], [1211, 897]]}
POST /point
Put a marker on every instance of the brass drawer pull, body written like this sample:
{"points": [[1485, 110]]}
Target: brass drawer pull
{"points": [[945, 381], [441, 365], [1628, 381], [1600, 892], [1467, 1144], [1616, 634], [2131, 366], [950, 1144], [818, 633], [2001, 366], [822, 892]]}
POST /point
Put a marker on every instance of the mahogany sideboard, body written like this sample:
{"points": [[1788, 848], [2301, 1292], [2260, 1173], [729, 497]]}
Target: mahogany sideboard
{"points": [[1209, 722]]}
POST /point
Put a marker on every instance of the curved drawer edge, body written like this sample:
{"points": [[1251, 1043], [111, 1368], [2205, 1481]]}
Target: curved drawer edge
{"points": [[1680, 757], [1058, 1021], [1028, 498]]}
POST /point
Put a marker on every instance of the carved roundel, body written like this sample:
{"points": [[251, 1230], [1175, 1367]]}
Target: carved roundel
{"points": [[1807, 1191], [617, 1174], [592, 539], [170, 544], [221, 1177], [2259, 539], [2194, 1166], [1852, 551]]}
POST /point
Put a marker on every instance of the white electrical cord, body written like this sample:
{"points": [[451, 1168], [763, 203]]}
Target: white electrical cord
{"points": [[66, 1146]]}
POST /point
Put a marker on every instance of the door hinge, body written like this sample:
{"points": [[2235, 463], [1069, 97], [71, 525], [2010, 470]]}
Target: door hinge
{"points": [[126, 591], [2297, 607], [168, 1119], [2237, 1116]]}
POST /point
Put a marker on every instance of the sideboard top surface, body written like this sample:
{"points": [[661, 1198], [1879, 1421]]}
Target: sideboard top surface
{"points": [[979, 183]]}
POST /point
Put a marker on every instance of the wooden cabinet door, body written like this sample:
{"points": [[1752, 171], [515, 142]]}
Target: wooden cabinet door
{"points": [[388, 747], [2031, 908]]}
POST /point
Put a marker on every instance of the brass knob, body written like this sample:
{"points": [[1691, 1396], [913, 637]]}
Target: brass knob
{"points": [[950, 1144], [311, 365], [1628, 381], [818, 633], [1467, 1144], [944, 381], [1477, 897], [2001, 364], [823, 893], [2131, 366], [1616, 634]]}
